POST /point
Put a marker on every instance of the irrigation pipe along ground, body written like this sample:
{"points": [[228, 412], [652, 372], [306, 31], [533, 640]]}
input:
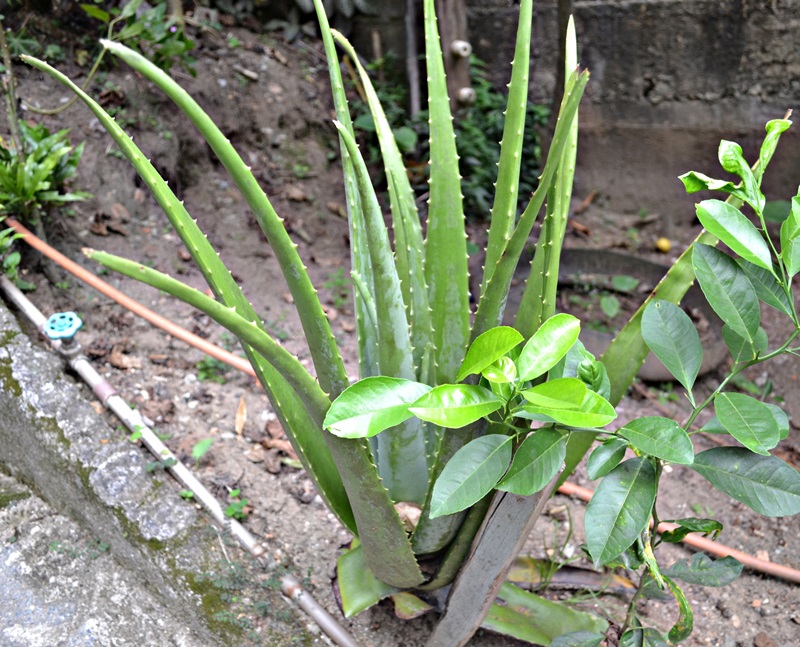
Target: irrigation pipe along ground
{"points": [[133, 420], [570, 489]]}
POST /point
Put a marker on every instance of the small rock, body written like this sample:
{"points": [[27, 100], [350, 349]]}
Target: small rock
{"points": [[762, 555], [763, 640]]}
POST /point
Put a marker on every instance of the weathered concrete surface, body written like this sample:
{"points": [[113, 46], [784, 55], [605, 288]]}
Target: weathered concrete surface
{"points": [[104, 553], [670, 78]]}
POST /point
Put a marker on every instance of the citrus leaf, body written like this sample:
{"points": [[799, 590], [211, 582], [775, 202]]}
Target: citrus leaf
{"points": [[764, 483], [744, 350], [605, 458], [733, 228], [670, 334], [660, 437], [689, 525], [503, 371], [456, 405], [748, 420], [728, 290], [682, 629], [547, 346], [620, 509], [701, 569], [371, 405], [766, 286], [536, 462], [487, 349], [470, 474]]}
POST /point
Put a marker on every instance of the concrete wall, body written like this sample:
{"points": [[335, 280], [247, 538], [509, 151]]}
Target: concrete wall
{"points": [[670, 78]]}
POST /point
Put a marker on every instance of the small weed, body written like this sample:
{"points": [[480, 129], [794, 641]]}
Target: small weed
{"points": [[186, 494], [155, 466], [236, 509], [210, 369], [201, 448], [339, 286], [301, 170]]}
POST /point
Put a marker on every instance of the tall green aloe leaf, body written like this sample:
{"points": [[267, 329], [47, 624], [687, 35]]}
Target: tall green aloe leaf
{"points": [[539, 296], [304, 430], [321, 343], [409, 252], [446, 243], [490, 308], [401, 450], [504, 209], [366, 330]]}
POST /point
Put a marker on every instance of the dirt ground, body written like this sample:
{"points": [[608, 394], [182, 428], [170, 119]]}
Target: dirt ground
{"points": [[272, 100]]}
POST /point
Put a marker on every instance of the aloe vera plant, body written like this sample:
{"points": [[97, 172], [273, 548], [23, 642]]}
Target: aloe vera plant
{"points": [[440, 422]]}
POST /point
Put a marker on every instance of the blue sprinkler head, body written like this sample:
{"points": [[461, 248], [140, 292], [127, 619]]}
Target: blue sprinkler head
{"points": [[63, 325]]}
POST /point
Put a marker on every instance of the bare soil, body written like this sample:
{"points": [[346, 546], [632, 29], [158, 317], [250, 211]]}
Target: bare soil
{"points": [[272, 100]]}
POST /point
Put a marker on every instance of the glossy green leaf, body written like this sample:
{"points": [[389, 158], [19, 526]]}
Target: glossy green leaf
{"points": [[561, 393], [620, 509], [535, 619], [670, 334], [780, 419], [744, 350], [774, 129], [536, 461], [578, 639], [503, 371], [659, 437], [359, 589], [731, 226], [642, 638], [371, 405], [728, 290], [701, 569], [689, 525], [547, 346], [560, 404], [470, 474], [683, 627], [605, 457], [694, 182], [456, 405], [766, 286], [764, 483], [594, 375], [732, 160], [487, 349], [790, 239], [748, 420]]}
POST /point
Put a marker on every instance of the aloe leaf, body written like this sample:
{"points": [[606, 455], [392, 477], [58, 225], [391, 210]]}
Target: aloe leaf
{"points": [[247, 331], [670, 334], [490, 308], [321, 343], [620, 509], [446, 242], [302, 428], [407, 229], [539, 296], [764, 483], [659, 437], [366, 327], [401, 463], [529, 617], [504, 209], [358, 587], [471, 474]]}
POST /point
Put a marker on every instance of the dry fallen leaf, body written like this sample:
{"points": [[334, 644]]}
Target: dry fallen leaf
{"points": [[118, 359], [241, 416]]}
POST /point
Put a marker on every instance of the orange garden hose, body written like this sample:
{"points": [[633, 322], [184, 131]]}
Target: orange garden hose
{"points": [[784, 572]]}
